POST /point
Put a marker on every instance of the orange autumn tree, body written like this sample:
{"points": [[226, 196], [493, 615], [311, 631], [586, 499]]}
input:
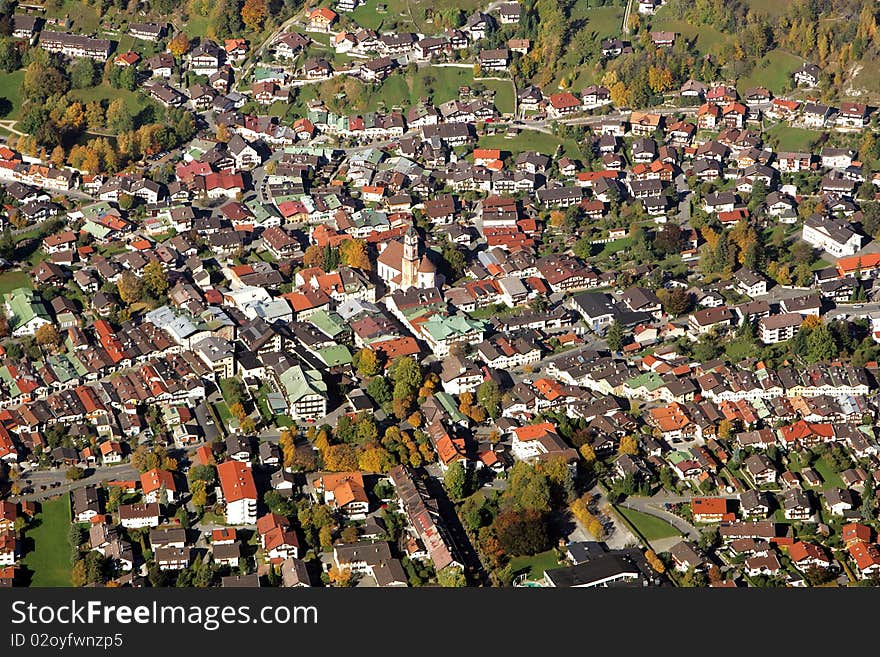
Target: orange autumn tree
{"points": [[178, 45], [254, 13]]}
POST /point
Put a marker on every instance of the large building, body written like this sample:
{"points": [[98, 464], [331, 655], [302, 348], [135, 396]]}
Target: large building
{"points": [[402, 266], [239, 492], [831, 235], [76, 45]]}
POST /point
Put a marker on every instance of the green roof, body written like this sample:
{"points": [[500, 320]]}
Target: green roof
{"points": [[450, 406], [299, 383], [62, 367], [25, 305], [98, 209], [649, 380], [77, 364], [440, 327], [329, 323], [96, 230], [336, 355]]}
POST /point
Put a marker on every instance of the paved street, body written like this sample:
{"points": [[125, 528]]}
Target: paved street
{"points": [[48, 477]]}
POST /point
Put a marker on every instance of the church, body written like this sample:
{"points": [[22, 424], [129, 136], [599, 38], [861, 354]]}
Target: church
{"points": [[402, 265]]}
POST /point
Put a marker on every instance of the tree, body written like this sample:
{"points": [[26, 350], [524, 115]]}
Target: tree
{"points": [[380, 390], [451, 577], [59, 156], [155, 278], [74, 473], [614, 337], [10, 56], [47, 336], [522, 532], [654, 561], [118, 118], [528, 488], [693, 579], [489, 397], [78, 573], [340, 458], [821, 345], [340, 578], [587, 453], [475, 512], [628, 445], [353, 253], [225, 21], [178, 45], [456, 481], [129, 287], [84, 73], [375, 459], [366, 362], [254, 13], [199, 491]]}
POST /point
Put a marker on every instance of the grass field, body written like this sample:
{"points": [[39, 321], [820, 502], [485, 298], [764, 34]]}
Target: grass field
{"points": [[439, 82], [773, 71], [530, 140], [826, 471], [650, 527], [706, 39], [14, 279], [793, 139], [535, 565], [10, 89], [50, 558], [134, 102], [85, 18], [368, 17]]}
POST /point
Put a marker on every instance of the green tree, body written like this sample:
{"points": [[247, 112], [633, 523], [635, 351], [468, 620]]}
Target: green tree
{"points": [[366, 362], [10, 56], [380, 390], [155, 278], [456, 481], [614, 337], [821, 345], [489, 397], [527, 488], [522, 532], [84, 73], [451, 577]]}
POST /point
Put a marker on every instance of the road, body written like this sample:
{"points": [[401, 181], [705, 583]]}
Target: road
{"points": [[123, 471], [625, 27], [654, 506]]}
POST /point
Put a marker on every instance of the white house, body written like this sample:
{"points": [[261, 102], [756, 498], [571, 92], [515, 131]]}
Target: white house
{"points": [[239, 492], [832, 235]]}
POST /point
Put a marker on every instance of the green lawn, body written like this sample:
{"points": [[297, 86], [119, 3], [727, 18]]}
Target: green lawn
{"points": [[86, 18], [134, 101], [14, 279], [530, 140], [50, 558], [706, 39], [737, 350], [10, 89], [772, 71], [648, 526], [604, 21], [440, 83], [609, 249], [826, 471], [793, 139], [223, 412], [366, 15], [535, 565]]}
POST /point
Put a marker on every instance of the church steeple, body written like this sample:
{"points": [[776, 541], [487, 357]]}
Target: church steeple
{"points": [[409, 274]]}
